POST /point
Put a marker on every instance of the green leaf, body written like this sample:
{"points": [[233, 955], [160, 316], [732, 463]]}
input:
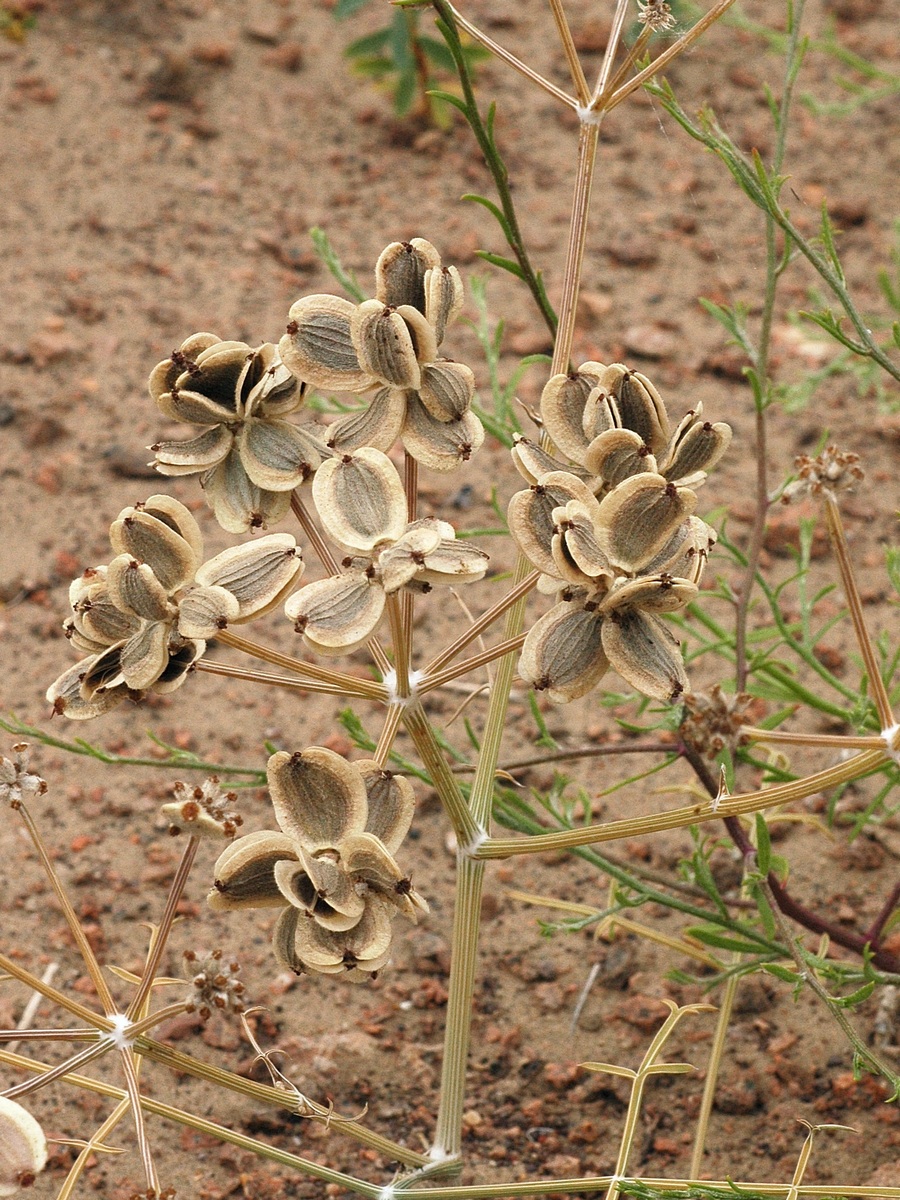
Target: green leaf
{"points": [[491, 207], [723, 941], [448, 98], [346, 8], [856, 997], [370, 44], [405, 92], [438, 53], [329, 257], [763, 845], [498, 260], [785, 974]]}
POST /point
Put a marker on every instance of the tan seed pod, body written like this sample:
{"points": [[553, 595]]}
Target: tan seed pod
{"points": [[391, 342], [323, 889], [259, 574], [278, 456], [391, 802], [245, 872], [182, 654], [401, 562], [360, 499], [366, 947], [685, 553], [205, 611], [66, 696], [134, 589], [697, 451], [530, 515], [377, 425], [576, 551], [532, 461], [601, 413], [650, 593], [563, 403], [338, 614], [440, 445], [563, 654], [23, 1148], [639, 516], [164, 375], [447, 389], [162, 533], [454, 561], [443, 298], [400, 273], [643, 651], [238, 503], [616, 455], [319, 798], [175, 458], [639, 405], [318, 348], [144, 656]]}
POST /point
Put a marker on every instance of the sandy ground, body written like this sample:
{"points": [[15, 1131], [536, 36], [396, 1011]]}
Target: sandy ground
{"points": [[162, 164]]}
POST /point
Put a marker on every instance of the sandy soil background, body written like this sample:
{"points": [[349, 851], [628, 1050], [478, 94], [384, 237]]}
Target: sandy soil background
{"points": [[162, 163]]}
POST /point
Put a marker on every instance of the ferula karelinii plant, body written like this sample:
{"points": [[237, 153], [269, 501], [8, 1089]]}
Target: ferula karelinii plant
{"points": [[610, 527]]}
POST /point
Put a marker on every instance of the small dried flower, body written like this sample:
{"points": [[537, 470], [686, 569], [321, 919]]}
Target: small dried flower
{"points": [[17, 783], [23, 1147], [214, 984], [250, 457], [616, 566], [361, 502], [203, 811], [713, 721], [655, 15], [391, 343], [330, 868], [144, 619], [832, 471]]}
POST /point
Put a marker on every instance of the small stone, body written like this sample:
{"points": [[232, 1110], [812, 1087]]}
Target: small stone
{"points": [[742, 1096], [286, 57], [650, 341], [213, 54], [592, 37], [633, 250], [644, 1012]]}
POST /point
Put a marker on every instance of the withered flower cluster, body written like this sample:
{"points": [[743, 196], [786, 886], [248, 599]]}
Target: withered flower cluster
{"points": [[203, 811], [145, 617], [250, 457], [214, 984], [362, 504], [614, 535], [330, 868], [391, 343], [832, 471]]}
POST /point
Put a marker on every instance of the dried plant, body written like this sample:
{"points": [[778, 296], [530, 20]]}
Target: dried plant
{"points": [[606, 528]]}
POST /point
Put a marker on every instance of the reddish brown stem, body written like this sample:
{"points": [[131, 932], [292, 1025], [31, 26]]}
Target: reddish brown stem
{"points": [[848, 938], [875, 930]]}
